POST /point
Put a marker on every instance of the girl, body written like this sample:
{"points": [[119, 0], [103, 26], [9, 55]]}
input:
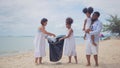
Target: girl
{"points": [[69, 44], [88, 22], [39, 41]]}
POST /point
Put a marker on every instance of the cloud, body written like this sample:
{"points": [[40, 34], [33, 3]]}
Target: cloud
{"points": [[23, 16], [110, 7]]}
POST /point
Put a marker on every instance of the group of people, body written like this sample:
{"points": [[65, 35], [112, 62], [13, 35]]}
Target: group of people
{"points": [[92, 28]]}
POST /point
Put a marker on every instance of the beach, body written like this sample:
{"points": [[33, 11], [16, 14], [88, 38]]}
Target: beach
{"points": [[109, 57]]}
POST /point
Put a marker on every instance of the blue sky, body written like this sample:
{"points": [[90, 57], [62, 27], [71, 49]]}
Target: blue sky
{"points": [[22, 17]]}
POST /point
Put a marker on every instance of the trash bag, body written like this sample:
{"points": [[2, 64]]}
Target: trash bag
{"points": [[55, 48]]}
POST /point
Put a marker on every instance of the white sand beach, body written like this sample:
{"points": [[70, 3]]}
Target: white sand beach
{"points": [[109, 57]]}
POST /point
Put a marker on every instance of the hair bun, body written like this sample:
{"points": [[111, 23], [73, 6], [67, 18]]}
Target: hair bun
{"points": [[90, 10], [43, 20], [85, 10]]}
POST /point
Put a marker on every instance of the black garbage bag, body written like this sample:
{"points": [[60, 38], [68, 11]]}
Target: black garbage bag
{"points": [[56, 48]]}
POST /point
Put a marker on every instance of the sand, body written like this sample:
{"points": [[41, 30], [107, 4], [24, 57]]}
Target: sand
{"points": [[109, 57]]}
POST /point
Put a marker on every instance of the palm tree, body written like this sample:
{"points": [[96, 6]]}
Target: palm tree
{"points": [[113, 26]]}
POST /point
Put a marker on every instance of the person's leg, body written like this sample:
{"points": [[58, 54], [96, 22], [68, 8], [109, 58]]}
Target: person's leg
{"points": [[88, 60], [95, 53], [40, 60], [76, 59], [88, 52], [96, 59], [36, 60], [85, 36], [93, 41], [69, 59]]}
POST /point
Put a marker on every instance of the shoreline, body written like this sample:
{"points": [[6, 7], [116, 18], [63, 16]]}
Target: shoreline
{"points": [[12, 53], [17, 45], [15, 53]]}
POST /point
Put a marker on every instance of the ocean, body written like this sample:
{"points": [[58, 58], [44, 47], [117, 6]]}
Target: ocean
{"points": [[12, 45]]}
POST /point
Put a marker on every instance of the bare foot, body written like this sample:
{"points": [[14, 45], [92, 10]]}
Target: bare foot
{"points": [[88, 65], [96, 65], [76, 62], [36, 63], [69, 62], [40, 63], [84, 38]]}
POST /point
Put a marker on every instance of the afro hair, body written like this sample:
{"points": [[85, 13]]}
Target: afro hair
{"points": [[69, 20], [85, 10], [89, 10]]}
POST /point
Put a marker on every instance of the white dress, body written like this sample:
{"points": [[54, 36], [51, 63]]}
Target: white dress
{"points": [[39, 44], [88, 23], [69, 46]]}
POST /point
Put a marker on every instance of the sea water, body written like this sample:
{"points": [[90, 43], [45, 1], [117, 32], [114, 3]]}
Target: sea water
{"points": [[11, 45]]}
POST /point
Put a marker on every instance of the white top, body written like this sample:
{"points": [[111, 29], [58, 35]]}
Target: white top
{"points": [[96, 27], [88, 23]]}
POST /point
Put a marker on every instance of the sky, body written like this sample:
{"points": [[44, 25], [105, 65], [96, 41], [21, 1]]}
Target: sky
{"points": [[22, 17]]}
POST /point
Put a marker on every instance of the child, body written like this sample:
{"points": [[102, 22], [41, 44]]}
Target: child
{"points": [[69, 43], [39, 41], [88, 22]]}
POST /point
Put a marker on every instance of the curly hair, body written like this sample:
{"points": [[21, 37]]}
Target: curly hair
{"points": [[85, 10], [89, 10], [69, 20]]}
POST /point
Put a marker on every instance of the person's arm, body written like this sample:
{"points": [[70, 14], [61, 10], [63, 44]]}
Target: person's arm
{"points": [[97, 30], [69, 34], [45, 32], [84, 24]]}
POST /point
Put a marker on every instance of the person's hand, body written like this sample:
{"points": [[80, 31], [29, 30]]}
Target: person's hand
{"points": [[61, 39], [84, 37], [94, 43], [83, 29], [53, 35], [87, 31]]}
